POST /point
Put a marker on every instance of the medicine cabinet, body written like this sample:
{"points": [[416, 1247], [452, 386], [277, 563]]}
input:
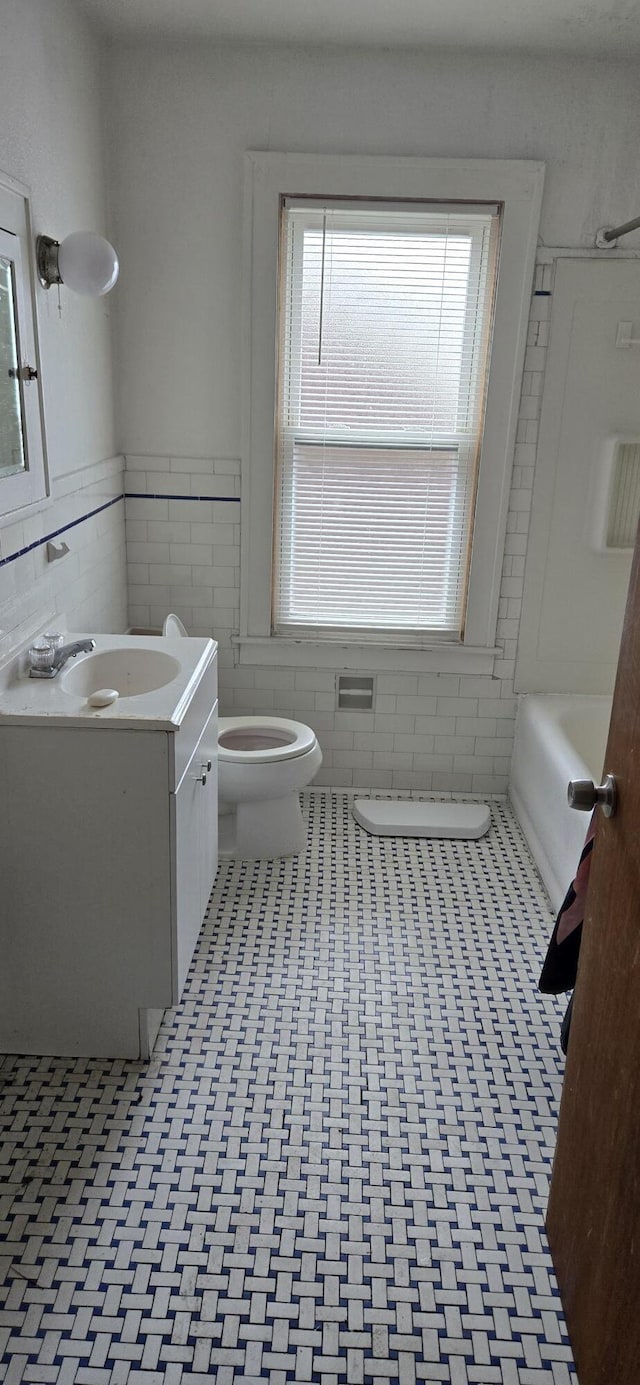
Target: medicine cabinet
{"points": [[23, 475]]}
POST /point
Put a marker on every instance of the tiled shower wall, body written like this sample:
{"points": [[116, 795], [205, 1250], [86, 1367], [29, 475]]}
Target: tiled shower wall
{"points": [[87, 586], [444, 732]]}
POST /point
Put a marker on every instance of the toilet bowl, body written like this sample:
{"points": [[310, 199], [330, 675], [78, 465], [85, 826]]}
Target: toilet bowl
{"points": [[263, 763]]}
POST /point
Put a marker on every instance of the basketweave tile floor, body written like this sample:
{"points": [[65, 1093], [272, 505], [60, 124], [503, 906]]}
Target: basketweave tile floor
{"points": [[334, 1168]]}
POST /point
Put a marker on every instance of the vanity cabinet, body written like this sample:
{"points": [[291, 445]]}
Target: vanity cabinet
{"points": [[108, 852]]}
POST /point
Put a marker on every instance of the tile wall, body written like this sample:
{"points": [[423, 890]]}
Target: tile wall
{"points": [[88, 585], [442, 732]]}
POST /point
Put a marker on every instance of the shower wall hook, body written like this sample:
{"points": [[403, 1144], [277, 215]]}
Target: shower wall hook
{"points": [[54, 551]]}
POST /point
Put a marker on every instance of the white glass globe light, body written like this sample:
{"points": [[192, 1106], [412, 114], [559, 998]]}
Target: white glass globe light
{"points": [[87, 263]]}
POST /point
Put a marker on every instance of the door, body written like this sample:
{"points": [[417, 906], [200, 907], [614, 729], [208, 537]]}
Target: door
{"points": [[593, 1219]]}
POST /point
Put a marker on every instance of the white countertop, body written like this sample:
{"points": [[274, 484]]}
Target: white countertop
{"points": [[42, 701]]}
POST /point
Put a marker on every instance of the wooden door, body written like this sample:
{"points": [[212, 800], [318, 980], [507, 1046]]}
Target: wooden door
{"points": [[593, 1219]]}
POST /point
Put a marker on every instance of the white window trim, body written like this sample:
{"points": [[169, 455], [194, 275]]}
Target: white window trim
{"points": [[517, 184], [28, 492]]}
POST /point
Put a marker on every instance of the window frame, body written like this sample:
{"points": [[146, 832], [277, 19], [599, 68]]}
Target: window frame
{"points": [[463, 442], [517, 186]]}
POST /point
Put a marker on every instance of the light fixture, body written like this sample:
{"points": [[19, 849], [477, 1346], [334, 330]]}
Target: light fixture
{"points": [[84, 261]]}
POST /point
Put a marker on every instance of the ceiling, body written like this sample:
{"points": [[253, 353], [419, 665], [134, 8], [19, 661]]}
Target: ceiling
{"points": [[581, 27]]}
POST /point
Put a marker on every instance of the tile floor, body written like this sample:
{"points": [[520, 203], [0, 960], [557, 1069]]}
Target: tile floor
{"points": [[335, 1167]]}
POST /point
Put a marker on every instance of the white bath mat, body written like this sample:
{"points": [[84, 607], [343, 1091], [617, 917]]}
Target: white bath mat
{"points": [[386, 817]]}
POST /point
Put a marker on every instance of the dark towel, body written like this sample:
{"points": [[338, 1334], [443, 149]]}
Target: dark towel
{"points": [[561, 962]]}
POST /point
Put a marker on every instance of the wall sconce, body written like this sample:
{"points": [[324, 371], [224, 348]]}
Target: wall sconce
{"points": [[84, 261]]}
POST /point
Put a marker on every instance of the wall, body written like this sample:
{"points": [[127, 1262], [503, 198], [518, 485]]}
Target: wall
{"points": [[51, 140], [575, 588], [181, 119]]}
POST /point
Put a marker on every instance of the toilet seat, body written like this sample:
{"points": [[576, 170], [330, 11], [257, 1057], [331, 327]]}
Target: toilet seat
{"points": [[262, 740]]}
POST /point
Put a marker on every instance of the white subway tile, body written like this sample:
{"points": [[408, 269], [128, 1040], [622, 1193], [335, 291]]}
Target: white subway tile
{"points": [[489, 783], [167, 531], [411, 743], [457, 706], [479, 685], [391, 721], [504, 707], [193, 554], [316, 680], [188, 510], [439, 684], [404, 683], [393, 760], [408, 779], [373, 779], [473, 764], [435, 726], [138, 574], [147, 552], [454, 781], [423, 706], [493, 745], [343, 740], [454, 745], [147, 509], [225, 597], [202, 466], [432, 762], [476, 726]]}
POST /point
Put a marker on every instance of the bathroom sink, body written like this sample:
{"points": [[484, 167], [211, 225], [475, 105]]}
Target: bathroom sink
{"points": [[131, 672]]}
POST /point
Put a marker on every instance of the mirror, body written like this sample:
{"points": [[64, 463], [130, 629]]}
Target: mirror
{"points": [[12, 450], [23, 469]]}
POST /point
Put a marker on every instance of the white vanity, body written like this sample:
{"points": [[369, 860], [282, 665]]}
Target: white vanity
{"points": [[108, 844]]}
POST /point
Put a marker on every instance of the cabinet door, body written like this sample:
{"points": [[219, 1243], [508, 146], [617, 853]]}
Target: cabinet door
{"points": [[187, 902], [207, 754], [195, 824]]}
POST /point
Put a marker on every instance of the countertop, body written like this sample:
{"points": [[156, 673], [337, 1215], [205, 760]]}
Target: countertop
{"points": [[40, 702]]}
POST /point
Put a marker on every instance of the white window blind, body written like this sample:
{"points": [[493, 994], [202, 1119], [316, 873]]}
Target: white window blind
{"points": [[384, 338]]}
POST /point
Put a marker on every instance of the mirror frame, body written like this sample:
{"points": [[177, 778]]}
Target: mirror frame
{"points": [[29, 487]]}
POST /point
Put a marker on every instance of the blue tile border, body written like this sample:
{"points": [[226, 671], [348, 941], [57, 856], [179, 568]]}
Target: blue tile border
{"points": [[126, 495], [158, 495], [55, 533]]}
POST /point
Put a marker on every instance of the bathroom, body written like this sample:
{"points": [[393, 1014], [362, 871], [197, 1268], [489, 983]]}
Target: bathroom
{"points": [[141, 133]]}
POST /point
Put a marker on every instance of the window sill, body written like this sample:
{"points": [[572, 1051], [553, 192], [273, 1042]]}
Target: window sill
{"points": [[435, 658]]}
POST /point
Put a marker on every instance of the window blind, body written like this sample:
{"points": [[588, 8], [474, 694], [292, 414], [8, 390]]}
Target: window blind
{"points": [[384, 336]]}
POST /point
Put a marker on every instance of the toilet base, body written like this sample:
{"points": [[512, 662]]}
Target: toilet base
{"points": [[260, 831]]}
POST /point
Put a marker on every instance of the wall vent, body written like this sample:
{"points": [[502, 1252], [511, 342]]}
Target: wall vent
{"points": [[354, 692]]}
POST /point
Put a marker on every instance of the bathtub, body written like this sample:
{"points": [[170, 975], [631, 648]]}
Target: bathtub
{"points": [[558, 738]]}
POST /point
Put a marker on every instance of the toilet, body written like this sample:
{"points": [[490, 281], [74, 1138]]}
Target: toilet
{"points": [[263, 763]]}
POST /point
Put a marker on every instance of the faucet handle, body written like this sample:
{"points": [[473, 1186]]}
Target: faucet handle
{"points": [[41, 654]]}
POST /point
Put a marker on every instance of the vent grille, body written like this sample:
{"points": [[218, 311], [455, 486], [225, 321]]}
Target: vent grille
{"points": [[624, 496]]}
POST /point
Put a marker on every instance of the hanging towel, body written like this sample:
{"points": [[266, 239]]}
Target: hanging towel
{"points": [[561, 962]]}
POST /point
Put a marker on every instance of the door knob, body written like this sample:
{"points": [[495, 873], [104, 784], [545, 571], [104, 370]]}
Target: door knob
{"points": [[584, 795]]}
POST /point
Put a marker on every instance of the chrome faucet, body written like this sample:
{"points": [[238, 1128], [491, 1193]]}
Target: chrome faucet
{"points": [[60, 656]]}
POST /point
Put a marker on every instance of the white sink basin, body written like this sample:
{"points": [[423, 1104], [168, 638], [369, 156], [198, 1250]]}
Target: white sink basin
{"points": [[131, 672]]}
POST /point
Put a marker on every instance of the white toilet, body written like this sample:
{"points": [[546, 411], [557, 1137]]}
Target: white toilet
{"points": [[263, 763]]}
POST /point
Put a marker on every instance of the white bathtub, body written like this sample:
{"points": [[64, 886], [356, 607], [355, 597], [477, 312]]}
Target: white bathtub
{"points": [[558, 738]]}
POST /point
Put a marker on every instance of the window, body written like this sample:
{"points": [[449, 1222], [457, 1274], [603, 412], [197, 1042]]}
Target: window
{"points": [[22, 463], [384, 333], [374, 511]]}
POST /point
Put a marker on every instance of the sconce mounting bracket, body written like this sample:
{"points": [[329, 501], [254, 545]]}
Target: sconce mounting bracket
{"points": [[47, 261]]}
